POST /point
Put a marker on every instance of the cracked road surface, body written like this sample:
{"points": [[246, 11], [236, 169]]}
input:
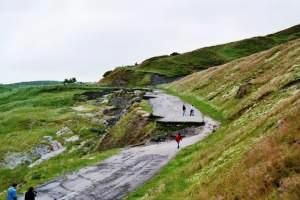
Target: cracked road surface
{"points": [[169, 109], [115, 177]]}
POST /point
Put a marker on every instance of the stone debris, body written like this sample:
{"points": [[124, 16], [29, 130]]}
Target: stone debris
{"points": [[64, 131], [41, 152], [46, 152], [138, 92], [48, 138], [104, 101], [97, 121], [13, 159], [56, 149], [146, 115], [74, 138], [143, 113], [80, 108], [41, 149]]}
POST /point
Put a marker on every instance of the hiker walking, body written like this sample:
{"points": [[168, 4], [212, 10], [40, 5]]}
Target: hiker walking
{"points": [[192, 111], [178, 138], [12, 192], [30, 194], [183, 110]]}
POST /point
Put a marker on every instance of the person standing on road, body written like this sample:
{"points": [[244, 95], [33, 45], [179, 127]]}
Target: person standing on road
{"points": [[178, 138], [183, 110], [192, 112], [12, 192], [30, 194]]}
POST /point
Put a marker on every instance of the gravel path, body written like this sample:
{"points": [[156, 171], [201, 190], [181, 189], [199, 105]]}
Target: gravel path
{"points": [[115, 177]]}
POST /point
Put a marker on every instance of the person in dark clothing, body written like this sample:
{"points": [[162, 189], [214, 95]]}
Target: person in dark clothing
{"points": [[192, 112], [30, 194], [183, 109]]}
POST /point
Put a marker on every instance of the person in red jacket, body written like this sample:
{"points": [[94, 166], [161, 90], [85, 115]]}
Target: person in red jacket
{"points": [[178, 138]]}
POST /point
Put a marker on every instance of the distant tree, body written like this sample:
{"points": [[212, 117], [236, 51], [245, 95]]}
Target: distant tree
{"points": [[136, 64], [71, 80], [174, 54]]}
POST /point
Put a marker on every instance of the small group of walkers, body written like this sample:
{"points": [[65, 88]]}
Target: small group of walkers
{"points": [[192, 110], [178, 136], [12, 193]]}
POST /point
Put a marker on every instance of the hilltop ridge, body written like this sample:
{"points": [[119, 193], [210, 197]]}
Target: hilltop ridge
{"points": [[166, 68]]}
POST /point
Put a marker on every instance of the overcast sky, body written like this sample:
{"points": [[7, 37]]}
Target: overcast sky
{"points": [[56, 39]]}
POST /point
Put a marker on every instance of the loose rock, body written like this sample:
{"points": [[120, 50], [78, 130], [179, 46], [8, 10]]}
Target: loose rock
{"points": [[74, 138], [64, 131]]}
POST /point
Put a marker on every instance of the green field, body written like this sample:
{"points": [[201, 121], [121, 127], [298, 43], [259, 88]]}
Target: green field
{"points": [[29, 113]]}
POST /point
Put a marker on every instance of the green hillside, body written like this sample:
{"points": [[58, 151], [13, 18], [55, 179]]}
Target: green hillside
{"points": [[166, 68], [33, 83], [255, 154], [29, 114]]}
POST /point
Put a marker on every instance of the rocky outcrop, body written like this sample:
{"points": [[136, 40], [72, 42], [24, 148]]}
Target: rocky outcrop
{"points": [[158, 79], [64, 131], [73, 138], [13, 159], [47, 149], [55, 148]]}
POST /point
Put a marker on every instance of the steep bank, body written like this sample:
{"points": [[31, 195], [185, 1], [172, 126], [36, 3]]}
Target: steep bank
{"points": [[162, 69], [255, 154]]}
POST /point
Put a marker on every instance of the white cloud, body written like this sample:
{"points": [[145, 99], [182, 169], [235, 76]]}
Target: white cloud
{"points": [[55, 39]]}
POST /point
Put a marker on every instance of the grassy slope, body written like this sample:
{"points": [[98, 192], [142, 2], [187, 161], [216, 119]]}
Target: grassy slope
{"points": [[126, 76], [255, 154], [26, 115], [33, 83], [187, 63], [131, 129]]}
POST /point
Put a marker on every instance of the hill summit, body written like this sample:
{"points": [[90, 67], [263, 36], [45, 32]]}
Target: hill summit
{"points": [[166, 68]]}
